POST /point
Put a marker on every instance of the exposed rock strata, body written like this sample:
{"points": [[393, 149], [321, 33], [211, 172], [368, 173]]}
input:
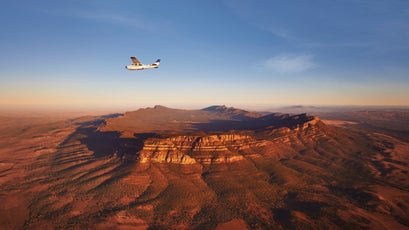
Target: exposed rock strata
{"points": [[217, 134], [223, 148], [201, 143], [197, 149]]}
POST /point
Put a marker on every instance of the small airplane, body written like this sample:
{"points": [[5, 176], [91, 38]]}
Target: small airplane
{"points": [[137, 65]]}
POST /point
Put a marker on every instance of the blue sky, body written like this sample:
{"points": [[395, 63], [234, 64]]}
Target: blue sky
{"points": [[233, 52]]}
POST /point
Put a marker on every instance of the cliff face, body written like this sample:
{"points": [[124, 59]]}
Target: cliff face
{"points": [[311, 128], [188, 136], [197, 149], [225, 148], [216, 143]]}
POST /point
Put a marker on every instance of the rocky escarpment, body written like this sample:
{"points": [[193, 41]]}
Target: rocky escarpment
{"points": [[309, 126], [218, 148], [215, 134], [226, 148]]}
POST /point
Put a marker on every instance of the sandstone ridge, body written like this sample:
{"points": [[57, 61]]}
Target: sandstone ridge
{"points": [[218, 148], [226, 148], [216, 134]]}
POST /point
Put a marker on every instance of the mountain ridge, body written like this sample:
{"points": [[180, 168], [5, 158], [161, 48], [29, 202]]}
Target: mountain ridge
{"points": [[160, 119]]}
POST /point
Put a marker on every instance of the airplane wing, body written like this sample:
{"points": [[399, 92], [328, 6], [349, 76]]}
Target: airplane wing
{"points": [[135, 61]]}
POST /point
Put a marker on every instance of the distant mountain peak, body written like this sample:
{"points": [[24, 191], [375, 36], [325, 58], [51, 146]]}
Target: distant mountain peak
{"points": [[218, 108], [160, 107], [231, 111], [215, 108]]}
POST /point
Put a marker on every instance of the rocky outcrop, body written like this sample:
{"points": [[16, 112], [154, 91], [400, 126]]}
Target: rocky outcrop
{"points": [[217, 134], [205, 149], [312, 129], [216, 143], [227, 148], [173, 156]]}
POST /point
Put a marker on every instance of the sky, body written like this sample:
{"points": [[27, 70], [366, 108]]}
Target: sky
{"points": [[233, 52]]}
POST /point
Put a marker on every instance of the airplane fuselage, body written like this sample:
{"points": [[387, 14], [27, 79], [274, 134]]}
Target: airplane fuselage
{"points": [[141, 66]]}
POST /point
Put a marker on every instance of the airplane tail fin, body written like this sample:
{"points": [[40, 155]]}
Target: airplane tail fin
{"points": [[156, 64]]}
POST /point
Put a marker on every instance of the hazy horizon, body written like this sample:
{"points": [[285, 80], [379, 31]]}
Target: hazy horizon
{"points": [[103, 110]]}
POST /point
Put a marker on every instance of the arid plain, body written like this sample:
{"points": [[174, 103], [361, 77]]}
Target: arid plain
{"points": [[214, 168]]}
